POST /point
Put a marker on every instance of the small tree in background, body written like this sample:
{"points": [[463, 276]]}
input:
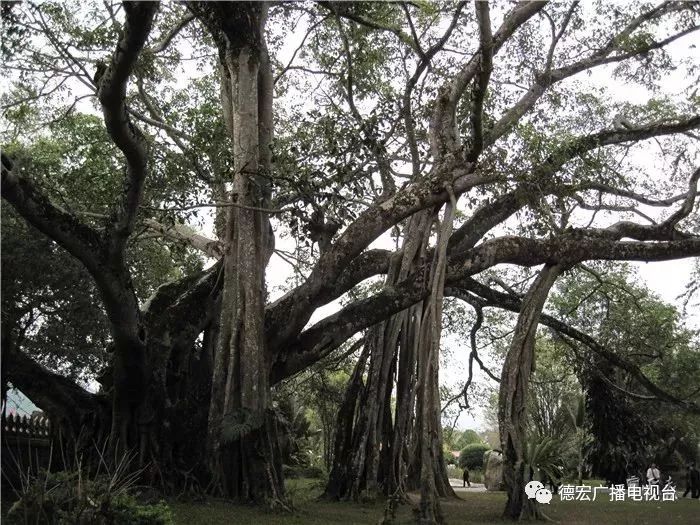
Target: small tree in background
{"points": [[472, 456], [468, 437]]}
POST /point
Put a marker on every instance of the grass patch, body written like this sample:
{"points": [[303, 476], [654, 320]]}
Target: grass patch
{"points": [[591, 482], [472, 508], [301, 491]]}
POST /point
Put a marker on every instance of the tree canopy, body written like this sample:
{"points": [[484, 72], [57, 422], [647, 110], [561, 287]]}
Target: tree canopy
{"points": [[188, 186]]}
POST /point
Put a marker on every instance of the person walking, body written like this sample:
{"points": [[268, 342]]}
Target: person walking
{"points": [[688, 480], [465, 478], [694, 478], [653, 475]]}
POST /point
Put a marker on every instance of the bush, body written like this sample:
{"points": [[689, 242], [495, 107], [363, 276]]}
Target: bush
{"points": [[296, 471], [472, 456], [78, 497], [126, 510]]}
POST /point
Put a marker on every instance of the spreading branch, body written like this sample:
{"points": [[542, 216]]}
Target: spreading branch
{"points": [[128, 138], [444, 136], [58, 396], [498, 299], [610, 53], [168, 37], [567, 249], [481, 82], [182, 233], [77, 238], [423, 194]]}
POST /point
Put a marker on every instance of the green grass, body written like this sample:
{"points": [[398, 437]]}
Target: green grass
{"points": [[472, 508], [590, 482]]}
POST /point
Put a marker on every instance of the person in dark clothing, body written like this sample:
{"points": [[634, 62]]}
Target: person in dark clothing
{"points": [[693, 481], [688, 481], [465, 478]]}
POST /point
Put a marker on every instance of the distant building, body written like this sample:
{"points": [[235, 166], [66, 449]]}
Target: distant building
{"points": [[19, 404]]}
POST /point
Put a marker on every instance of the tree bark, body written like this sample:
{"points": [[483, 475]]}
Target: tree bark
{"points": [[515, 380], [242, 437], [433, 479], [372, 450]]}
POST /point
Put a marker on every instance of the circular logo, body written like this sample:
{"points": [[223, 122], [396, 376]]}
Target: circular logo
{"points": [[532, 487], [543, 496]]}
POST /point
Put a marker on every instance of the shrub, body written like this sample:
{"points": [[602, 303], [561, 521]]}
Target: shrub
{"points": [[472, 456], [296, 471], [544, 455], [81, 497], [126, 510]]}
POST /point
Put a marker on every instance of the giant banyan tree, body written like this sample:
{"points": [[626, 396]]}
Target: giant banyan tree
{"points": [[173, 157]]}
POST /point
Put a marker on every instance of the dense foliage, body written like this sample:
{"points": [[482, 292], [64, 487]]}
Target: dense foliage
{"points": [[472, 456]]}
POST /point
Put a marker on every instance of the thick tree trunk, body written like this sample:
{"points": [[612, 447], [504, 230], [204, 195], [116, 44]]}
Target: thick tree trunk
{"points": [[179, 385], [427, 427], [340, 479], [357, 471], [370, 449], [366, 459], [377, 451], [417, 416], [128, 371], [405, 405], [242, 445], [515, 380], [433, 479]]}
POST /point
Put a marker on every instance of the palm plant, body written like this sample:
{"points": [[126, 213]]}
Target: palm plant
{"points": [[543, 458]]}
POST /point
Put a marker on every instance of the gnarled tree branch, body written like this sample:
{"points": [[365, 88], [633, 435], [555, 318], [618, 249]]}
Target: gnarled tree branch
{"points": [[111, 91]]}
